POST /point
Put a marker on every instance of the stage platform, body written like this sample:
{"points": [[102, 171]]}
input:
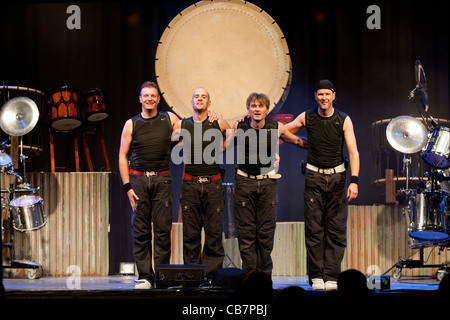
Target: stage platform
{"points": [[111, 294], [126, 283]]}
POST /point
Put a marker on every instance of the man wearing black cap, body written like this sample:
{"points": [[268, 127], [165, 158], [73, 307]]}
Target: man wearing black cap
{"points": [[325, 194]]}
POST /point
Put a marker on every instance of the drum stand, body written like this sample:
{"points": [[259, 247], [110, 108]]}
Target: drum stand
{"points": [[97, 131], [32, 266], [404, 193], [408, 263], [421, 245]]}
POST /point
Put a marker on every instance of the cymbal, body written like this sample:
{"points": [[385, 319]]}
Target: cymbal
{"points": [[19, 116], [406, 134], [421, 85]]}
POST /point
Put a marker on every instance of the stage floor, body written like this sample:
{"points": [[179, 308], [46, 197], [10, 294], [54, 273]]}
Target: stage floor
{"points": [[126, 283], [112, 295]]}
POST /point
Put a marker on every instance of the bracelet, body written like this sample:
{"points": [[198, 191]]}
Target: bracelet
{"points": [[127, 186], [354, 179]]}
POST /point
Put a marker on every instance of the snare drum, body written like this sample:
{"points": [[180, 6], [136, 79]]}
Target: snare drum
{"points": [[64, 106], [28, 213], [95, 106], [6, 162], [438, 149], [427, 215]]}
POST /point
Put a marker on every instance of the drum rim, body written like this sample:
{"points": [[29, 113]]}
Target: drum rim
{"points": [[39, 200], [19, 88]]}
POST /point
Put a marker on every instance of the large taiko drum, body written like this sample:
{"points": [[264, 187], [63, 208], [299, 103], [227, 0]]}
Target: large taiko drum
{"points": [[32, 142], [65, 108], [95, 106], [231, 48]]}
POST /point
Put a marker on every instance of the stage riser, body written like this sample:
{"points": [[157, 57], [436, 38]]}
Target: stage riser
{"points": [[77, 206]]}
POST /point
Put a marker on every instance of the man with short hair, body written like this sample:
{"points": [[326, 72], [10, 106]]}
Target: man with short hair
{"points": [[146, 139], [326, 197], [255, 194], [201, 189]]}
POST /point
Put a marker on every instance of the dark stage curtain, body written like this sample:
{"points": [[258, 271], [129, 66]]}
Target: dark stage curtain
{"points": [[373, 70]]}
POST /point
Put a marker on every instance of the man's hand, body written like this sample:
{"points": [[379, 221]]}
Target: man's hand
{"points": [[132, 197], [352, 191]]}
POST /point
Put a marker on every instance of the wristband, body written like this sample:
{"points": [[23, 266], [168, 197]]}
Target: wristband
{"points": [[354, 179], [127, 187]]}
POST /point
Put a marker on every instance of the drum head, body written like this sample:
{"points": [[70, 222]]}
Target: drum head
{"points": [[25, 201], [231, 48], [5, 159]]}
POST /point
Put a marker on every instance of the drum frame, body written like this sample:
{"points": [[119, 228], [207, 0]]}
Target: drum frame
{"points": [[33, 142]]}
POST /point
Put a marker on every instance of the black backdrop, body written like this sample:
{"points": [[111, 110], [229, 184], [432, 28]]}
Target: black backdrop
{"points": [[373, 70]]}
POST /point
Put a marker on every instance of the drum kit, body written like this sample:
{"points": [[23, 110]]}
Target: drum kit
{"points": [[19, 115], [428, 207], [17, 118]]}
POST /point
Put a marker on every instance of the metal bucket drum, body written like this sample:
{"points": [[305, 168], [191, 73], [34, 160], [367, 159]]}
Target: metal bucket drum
{"points": [[427, 215], [65, 113], [28, 213], [32, 142], [438, 149], [231, 48], [6, 162], [95, 106]]}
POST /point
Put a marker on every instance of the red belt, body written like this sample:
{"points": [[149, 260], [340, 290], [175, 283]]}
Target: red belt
{"points": [[148, 173], [202, 179]]}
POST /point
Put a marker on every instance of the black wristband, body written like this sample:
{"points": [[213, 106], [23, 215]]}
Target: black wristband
{"points": [[354, 179], [127, 186]]}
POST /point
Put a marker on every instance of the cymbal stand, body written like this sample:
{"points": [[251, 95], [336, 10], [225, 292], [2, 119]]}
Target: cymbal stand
{"points": [[23, 158], [405, 192], [411, 97]]}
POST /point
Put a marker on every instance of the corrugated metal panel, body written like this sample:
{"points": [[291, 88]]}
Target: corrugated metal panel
{"points": [[377, 238], [77, 209], [289, 252]]}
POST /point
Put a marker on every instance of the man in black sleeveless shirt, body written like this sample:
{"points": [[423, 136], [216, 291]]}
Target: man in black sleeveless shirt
{"points": [[146, 139], [201, 189], [255, 194], [325, 195]]}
